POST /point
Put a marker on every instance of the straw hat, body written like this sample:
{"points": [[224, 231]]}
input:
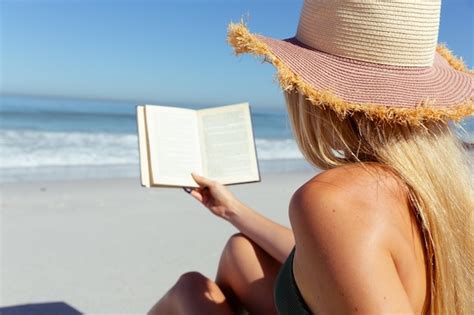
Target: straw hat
{"points": [[376, 57]]}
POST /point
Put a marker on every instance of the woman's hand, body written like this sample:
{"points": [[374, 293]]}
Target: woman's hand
{"points": [[274, 238], [216, 197]]}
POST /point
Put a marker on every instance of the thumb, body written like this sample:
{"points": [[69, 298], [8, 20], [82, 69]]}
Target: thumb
{"points": [[202, 181]]}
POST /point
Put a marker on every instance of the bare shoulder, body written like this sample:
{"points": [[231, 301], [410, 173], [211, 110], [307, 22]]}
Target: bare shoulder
{"points": [[355, 198], [353, 187], [345, 223]]}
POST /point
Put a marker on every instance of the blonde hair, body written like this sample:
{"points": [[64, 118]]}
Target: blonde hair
{"points": [[434, 166]]}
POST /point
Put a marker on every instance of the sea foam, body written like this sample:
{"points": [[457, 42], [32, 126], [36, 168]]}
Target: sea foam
{"points": [[33, 148]]}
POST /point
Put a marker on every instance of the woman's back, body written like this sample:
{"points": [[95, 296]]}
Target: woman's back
{"points": [[358, 234]]}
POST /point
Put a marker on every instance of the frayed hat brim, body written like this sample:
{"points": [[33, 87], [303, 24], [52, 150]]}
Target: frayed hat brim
{"points": [[331, 81]]}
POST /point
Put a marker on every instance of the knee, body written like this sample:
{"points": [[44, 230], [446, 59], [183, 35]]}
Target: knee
{"points": [[192, 284], [191, 276], [189, 281], [238, 246], [186, 288], [237, 243]]}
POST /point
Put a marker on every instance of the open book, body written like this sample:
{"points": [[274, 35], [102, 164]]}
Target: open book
{"points": [[217, 143]]}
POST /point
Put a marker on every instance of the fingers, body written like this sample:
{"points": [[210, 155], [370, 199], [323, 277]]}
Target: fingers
{"points": [[202, 181], [197, 195]]}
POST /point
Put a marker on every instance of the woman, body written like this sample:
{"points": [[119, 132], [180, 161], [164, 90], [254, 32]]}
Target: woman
{"points": [[387, 226]]}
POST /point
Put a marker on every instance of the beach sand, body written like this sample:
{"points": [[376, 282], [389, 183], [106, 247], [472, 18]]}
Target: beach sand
{"points": [[111, 246]]}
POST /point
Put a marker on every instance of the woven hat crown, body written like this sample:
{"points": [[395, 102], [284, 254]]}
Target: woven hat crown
{"points": [[400, 32]]}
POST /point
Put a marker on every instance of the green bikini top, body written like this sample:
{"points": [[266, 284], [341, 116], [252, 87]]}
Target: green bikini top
{"points": [[288, 299]]}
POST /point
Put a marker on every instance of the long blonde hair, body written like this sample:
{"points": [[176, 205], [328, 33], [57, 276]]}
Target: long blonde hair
{"points": [[434, 166]]}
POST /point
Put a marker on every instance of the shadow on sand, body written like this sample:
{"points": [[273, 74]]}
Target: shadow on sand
{"points": [[49, 308]]}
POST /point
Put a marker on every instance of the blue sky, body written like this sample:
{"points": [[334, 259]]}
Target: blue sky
{"points": [[171, 52]]}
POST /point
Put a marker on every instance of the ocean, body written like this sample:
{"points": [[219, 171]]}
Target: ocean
{"points": [[59, 139], [54, 138]]}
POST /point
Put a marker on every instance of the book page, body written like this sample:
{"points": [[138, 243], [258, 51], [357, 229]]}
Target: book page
{"points": [[143, 147], [227, 144], [173, 144]]}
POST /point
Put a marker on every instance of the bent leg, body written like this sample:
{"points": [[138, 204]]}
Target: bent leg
{"points": [[245, 278], [193, 293], [247, 274]]}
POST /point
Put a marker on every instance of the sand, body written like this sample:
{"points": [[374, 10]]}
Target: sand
{"points": [[112, 247]]}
